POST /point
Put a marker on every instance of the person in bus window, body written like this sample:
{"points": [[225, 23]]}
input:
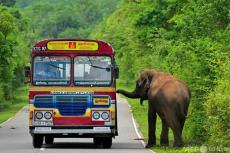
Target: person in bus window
{"points": [[46, 71]]}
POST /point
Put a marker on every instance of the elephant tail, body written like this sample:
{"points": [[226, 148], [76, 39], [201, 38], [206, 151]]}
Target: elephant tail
{"points": [[183, 110], [184, 106], [186, 96]]}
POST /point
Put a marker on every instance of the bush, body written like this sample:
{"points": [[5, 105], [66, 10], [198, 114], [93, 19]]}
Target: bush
{"points": [[189, 39], [218, 110]]}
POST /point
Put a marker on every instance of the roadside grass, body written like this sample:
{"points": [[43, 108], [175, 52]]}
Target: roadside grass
{"points": [[140, 114], [12, 107]]}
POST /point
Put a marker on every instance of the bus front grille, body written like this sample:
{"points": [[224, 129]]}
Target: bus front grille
{"points": [[43, 101], [68, 105], [72, 105]]}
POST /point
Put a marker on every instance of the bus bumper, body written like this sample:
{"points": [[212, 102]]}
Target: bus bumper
{"points": [[74, 132]]}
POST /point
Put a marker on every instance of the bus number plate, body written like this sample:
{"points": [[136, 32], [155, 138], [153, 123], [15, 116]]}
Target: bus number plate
{"points": [[42, 128]]}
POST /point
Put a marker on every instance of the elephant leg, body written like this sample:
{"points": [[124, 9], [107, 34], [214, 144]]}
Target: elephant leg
{"points": [[177, 132], [164, 140], [182, 124], [177, 138], [152, 127], [175, 124]]}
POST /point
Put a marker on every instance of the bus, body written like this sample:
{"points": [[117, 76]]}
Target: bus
{"points": [[72, 91]]}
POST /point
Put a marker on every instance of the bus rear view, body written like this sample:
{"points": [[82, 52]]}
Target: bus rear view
{"points": [[72, 91]]}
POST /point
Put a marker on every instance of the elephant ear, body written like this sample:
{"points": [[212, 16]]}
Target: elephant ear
{"points": [[145, 81]]}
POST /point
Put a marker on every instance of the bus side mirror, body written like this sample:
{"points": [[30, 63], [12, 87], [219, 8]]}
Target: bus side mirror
{"points": [[27, 71], [116, 71]]}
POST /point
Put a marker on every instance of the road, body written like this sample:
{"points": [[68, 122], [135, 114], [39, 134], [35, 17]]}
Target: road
{"points": [[15, 137]]}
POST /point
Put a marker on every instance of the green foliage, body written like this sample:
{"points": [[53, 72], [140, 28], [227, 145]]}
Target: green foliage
{"points": [[19, 102], [9, 3], [189, 39], [6, 56], [12, 58], [7, 24], [218, 109], [70, 18]]}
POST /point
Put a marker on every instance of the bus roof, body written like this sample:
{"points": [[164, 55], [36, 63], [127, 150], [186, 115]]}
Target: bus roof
{"points": [[73, 46]]}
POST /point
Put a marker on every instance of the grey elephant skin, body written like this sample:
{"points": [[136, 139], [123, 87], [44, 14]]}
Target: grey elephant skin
{"points": [[169, 98]]}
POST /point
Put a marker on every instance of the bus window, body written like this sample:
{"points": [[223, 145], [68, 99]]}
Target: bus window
{"points": [[92, 70], [51, 70]]}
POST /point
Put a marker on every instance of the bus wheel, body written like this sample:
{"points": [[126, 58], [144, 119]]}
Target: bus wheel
{"points": [[37, 140], [49, 140], [97, 141], [107, 142]]}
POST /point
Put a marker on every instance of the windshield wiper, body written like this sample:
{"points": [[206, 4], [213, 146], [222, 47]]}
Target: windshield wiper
{"points": [[56, 66], [51, 64], [98, 67]]}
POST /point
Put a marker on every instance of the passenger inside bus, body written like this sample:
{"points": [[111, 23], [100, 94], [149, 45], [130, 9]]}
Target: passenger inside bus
{"points": [[45, 71]]}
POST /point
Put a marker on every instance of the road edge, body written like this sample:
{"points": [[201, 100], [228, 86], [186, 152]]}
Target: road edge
{"points": [[139, 134], [12, 117], [135, 125]]}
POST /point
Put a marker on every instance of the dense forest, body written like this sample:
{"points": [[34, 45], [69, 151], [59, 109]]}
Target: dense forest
{"points": [[187, 38]]}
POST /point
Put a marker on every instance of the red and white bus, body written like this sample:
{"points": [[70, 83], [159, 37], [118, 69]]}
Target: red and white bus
{"points": [[72, 91]]}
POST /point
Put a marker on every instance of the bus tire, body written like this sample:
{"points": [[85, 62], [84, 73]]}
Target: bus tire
{"points": [[107, 142], [49, 140], [97, 141], [37, 140]]}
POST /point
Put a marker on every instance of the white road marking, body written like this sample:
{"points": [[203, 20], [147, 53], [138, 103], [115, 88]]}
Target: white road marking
{"points": [[136, 130], [6, 121]]}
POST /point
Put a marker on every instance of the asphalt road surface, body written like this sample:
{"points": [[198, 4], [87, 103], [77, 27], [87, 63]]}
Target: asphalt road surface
{"points": [[15, 137]]}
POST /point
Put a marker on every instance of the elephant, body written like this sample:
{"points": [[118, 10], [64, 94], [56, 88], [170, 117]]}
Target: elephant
{"points": [[169, 98]]}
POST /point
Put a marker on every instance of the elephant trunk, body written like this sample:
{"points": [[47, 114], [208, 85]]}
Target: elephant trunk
{"points": [[128, 94]]}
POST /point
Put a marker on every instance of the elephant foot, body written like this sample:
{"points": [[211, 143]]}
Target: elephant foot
{"points": [[177, 144], [150, 145]]}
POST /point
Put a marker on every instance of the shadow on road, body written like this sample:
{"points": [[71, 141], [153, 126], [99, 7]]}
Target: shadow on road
{"points": [[86, 145], [70, 145]]}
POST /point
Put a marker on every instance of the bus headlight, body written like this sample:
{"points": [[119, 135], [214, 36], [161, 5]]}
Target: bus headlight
{"points": [[43, 115], [105, 115], [96, 115], [43, 118], [100, 115], [39, 115], [48, 115]]}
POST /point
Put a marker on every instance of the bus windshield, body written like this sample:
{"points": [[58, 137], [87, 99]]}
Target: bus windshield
{"points": [[92, 70], [51, 70]]}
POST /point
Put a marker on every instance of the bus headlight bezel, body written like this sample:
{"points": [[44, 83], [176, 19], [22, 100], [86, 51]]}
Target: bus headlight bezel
{"points": [[43, 115], [94, 114], [37, 113], [49, 115], [105, 115], [102, 115]]}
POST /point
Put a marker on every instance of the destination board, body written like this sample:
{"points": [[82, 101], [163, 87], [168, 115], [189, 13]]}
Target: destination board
{"points": [[73, 45]]}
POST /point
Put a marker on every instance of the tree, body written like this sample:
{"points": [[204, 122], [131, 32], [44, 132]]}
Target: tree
{"points": [[7, 24], [8, 3], [189, 39]]}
